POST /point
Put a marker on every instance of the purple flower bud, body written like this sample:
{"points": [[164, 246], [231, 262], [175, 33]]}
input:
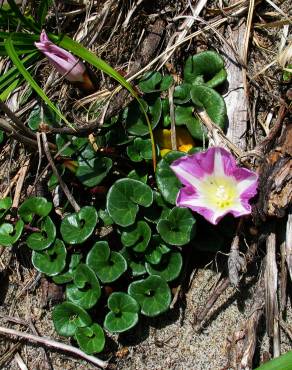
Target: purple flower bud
{"points": [[64, 62]]}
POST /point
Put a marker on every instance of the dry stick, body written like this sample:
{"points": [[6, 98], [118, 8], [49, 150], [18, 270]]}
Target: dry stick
{"points": [[289, 243], [252, 324], [18, 188], [202, 315], [216, 133], [10, 186], [7, 355], [172, 118], [283, 283], [61, 182], [271, 300], [5, 126], [244, 56], [218, 290], [53, 344], [235, 261], [20, 125]]}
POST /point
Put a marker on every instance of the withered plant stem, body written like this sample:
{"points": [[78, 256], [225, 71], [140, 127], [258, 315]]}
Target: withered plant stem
{"points": [[53, 344], [64, 187]]}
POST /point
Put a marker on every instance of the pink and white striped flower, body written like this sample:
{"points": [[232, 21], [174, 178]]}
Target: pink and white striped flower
{"points": [[214, 185], [64, 62]]}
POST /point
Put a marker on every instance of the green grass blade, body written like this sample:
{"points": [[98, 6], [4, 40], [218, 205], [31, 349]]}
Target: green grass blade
{"points": [[4, 95], [13, 72], [283, 362], [27, 76], [24, 20], [43, 10], [91, 58]]}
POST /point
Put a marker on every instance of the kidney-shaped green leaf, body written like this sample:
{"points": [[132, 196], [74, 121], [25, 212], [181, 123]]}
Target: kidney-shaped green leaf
{"points": [[5, 205], [181, 94], [92, 171], [178, 228], [137, 236], [135, 261], [168, 184], [67, 317], [213, 103], [67, 276], [140, 149], [90, 338], [34, 206], [43, 239], [9, 233], [205, 68], [52, 260], [152, 294], [124, 198], [169, 267], [77, 227], [85, 289], [154, 81], [135, 118], [123, 314], [156, 250], [108, 265]]}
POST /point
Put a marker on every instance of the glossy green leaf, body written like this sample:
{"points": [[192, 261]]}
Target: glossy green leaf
{"points": [[85, 289], [169, 267], [67, 317], [181, 94], [168, 184], [90, 339], [77, 227], [213, 103], [205, 68], [5, 205], [67, 276], [52, 260], [34, 206], [135, 118], [91, 172], [108, 265], [123, 313], [105, 217], [152, 294], [124, 199], [165, 113], [154, 81], [135, 261], [283, 362], [185, 115], [156, 250], [9, 234], [137, 236], [139, 174], [43, 239], [178, 228], [42, 115], [140, 149]]}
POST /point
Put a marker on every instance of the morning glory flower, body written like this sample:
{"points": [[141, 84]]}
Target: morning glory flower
{"points": [[214, 185], [64, 62]]}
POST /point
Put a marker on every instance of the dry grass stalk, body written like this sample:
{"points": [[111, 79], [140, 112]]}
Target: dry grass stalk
{"points": [[250, 329], [53, 344], [271, 299], [288, 243]]}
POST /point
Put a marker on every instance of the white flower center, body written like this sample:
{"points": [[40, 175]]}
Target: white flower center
{"points": [[220, 192]]}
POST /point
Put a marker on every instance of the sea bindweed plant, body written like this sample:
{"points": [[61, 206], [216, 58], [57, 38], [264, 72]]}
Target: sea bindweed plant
{"points": [[121, 254]]}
